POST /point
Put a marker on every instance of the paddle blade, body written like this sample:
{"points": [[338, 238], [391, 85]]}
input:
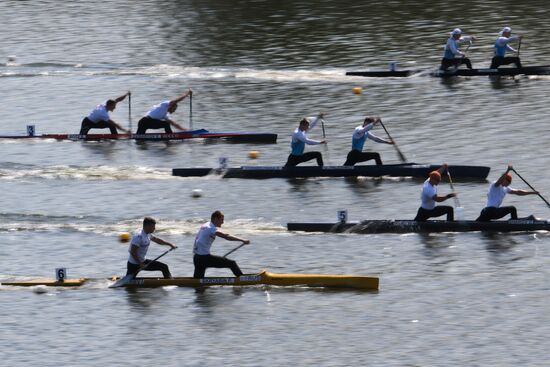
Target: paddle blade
{"points": [[401, 155], [459, 213], [122, 282]]}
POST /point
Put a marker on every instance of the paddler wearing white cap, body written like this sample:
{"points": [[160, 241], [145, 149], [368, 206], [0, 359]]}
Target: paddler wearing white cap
{"points": [[502, 45], [299, 141], [452, 55]]}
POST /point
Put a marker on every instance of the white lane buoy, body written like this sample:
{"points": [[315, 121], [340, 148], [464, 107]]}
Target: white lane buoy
{"points": [[196, 193]]}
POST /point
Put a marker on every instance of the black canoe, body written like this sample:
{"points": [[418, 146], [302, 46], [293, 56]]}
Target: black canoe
{"points": [[528, 70], [407, 226], [392, 170]]}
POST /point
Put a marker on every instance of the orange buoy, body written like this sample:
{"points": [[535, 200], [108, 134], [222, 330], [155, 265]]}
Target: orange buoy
{"points": [[124, 237], [357, 90]]}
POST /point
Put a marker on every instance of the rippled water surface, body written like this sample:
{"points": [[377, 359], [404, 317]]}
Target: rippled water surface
{"points": [[445, 299]]}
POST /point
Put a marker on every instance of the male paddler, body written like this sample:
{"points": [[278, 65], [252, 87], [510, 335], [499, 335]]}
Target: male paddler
{"points": [[429, 197], [158, 116], [202, 259], [358, 139], [501, 46], [452, 55], [99, 117], [138, 249], [299, 141], [495, 195]]}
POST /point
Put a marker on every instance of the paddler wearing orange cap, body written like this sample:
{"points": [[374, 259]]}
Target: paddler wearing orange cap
{"points": [[502, 45], [495, 195], [429, 197], [452, 55]]}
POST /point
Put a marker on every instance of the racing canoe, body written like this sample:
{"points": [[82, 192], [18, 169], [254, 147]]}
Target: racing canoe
{"points": [[392, 170], [235, 137], [263, 278], [408, 226], [47, 282], [527, 70]]}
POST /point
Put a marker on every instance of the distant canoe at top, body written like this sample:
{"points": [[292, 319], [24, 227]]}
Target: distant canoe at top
{"points": [[528, 70]]}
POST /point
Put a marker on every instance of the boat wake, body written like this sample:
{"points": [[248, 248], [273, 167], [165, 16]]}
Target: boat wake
{"points": [[11, 70], [15, 222]]}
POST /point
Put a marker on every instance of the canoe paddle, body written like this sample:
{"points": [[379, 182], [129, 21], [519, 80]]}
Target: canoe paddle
{"points": [[532, 188], [191, 111], [401, 155], [130, 112], [324, 138], [126, 279], [459, 209], [235, 249]]}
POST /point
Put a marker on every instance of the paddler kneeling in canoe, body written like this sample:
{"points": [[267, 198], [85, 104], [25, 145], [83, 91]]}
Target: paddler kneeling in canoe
{"points": [[429, 197], [158, 116], [99, 117], [299, 141], [358, 139], [502, 45], [452, 55], [495, 195], [138, 249], [202, 259]]}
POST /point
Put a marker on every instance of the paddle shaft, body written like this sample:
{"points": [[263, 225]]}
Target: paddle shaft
{"points": [[519, 47], [235, 249], [457, 203], [466, 50], [532, 188], [324, 137], [191, 111], [130, 112], [127, 278], [399, 153], [155, 259]]}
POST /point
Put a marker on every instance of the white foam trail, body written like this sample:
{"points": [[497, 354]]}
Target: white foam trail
{"points": [[99, 173], [177, 71], [172, 227]]}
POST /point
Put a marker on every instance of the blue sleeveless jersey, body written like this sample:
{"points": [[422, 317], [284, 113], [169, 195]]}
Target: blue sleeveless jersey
{"points": [[297, 147], [448, 53], [500, 50], [358, 143]]}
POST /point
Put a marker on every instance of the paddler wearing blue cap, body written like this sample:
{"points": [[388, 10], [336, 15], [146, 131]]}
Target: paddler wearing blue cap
{"points": [[452, 55], [502, 44]]}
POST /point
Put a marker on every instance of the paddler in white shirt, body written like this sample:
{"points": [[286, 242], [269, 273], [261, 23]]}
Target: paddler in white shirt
{"points": [[429, 197], [359, 137], [99, 118], [452, 55], [138, 249], [299, 141], [202, 258], [495, 196], [158, 117], [502, 44]]}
